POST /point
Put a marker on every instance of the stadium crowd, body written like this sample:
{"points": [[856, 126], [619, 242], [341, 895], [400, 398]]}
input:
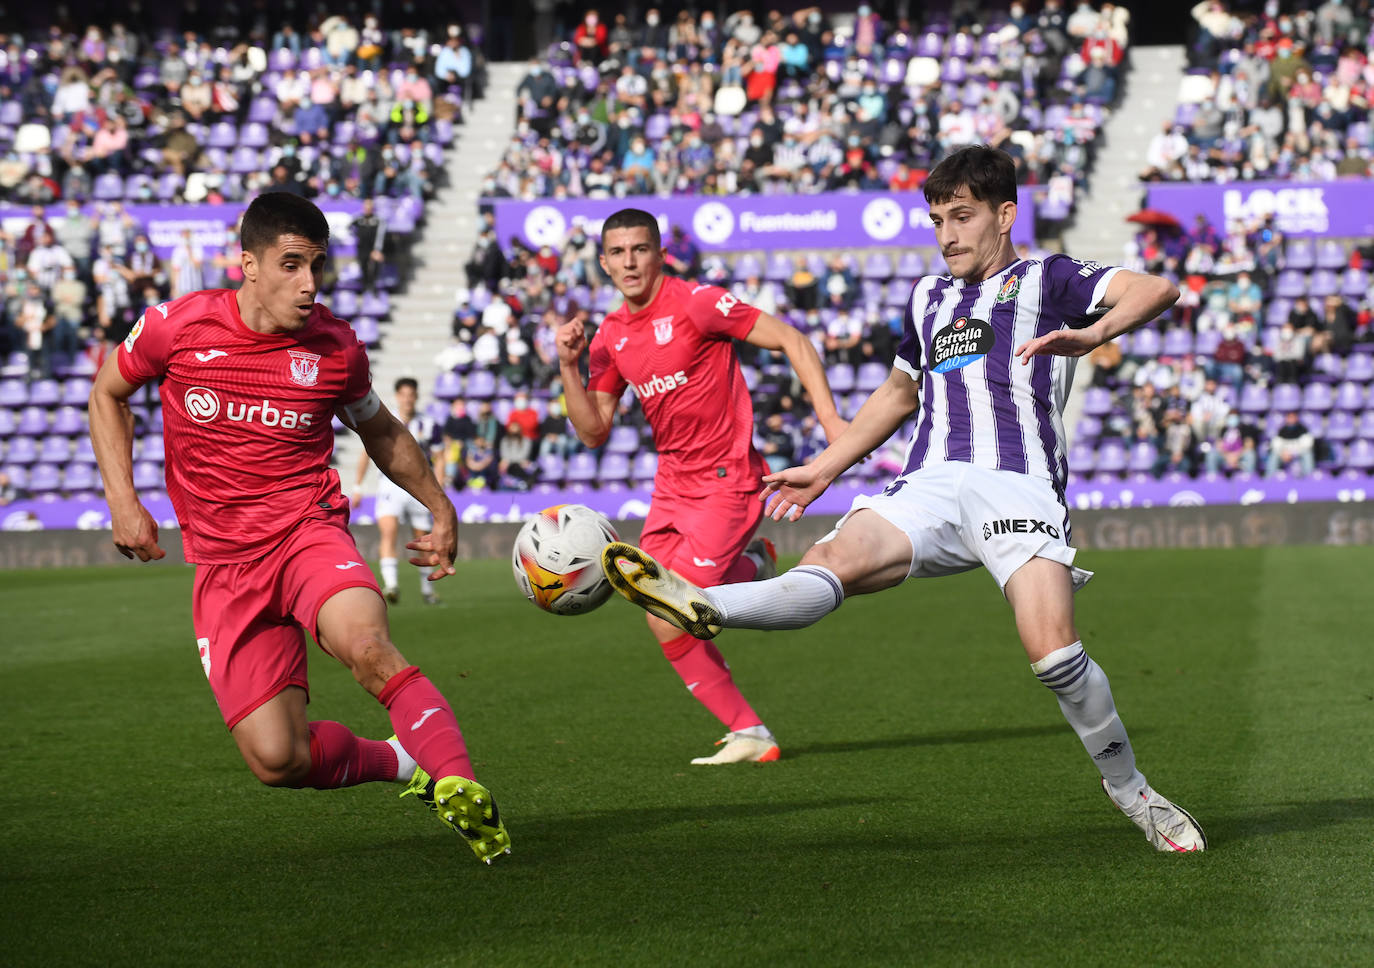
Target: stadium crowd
{"points": [[1281, 93]]}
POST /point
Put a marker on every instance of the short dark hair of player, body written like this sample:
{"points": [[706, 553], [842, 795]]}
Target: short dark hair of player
{"points": [[988, 173], [274, 214], [633, 218], [407, 381]]}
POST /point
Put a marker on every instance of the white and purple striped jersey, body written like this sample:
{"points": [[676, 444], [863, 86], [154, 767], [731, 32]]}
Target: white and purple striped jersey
{"points": [[979, 404]]}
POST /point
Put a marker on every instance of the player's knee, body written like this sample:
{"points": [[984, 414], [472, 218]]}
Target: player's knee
{"points": [[370, 656], [280, 765]]}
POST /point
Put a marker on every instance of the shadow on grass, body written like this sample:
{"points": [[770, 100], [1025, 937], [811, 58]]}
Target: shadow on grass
{"points": [[960, 737], [1291, 817]]}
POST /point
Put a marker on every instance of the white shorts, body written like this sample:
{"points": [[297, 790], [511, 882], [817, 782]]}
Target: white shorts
{"points": [[959, 516], [394, 501]]}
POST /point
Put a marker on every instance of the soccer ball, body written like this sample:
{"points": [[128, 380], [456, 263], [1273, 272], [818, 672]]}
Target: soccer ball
{"points": [[557, 559]]}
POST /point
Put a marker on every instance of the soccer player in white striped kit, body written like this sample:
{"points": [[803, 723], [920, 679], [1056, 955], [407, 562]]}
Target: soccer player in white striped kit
{"points": [[986, 357]]}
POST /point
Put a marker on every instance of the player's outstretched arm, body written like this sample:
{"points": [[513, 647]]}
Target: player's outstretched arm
{"points": [[1132, 300], [590, 411], [400, 457], [112, 436], [790, 491], [772, 333]]}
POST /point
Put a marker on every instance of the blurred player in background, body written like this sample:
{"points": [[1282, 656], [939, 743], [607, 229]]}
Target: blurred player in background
{"points": [[394, 503], [250, 379], [986, 359], [671, 341]]}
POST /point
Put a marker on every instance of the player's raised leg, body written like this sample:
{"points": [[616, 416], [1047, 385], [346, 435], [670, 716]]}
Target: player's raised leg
{"points": [[1041, 596], [351, 626]]}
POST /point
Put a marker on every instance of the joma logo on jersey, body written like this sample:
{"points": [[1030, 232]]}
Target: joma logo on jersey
{"points": [[660, 384], [960, 343], [1018, 526]]}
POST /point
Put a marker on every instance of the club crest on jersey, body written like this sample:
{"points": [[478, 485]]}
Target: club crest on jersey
{"points": [[663, 329], [1009, 289], [305, 368], [962, 342]]}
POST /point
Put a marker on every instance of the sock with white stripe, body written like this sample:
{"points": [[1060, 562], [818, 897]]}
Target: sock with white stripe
{"points": [[793, 600], [1085, 697]]}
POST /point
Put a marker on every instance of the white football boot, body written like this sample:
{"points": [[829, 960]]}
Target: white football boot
{"points": [[662, 591], [1167, 826], [742, 748]]}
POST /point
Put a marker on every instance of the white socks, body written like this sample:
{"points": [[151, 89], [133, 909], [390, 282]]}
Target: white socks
{"points": [[388, 566], [405, 764], [1085, 697], [793, 600]]}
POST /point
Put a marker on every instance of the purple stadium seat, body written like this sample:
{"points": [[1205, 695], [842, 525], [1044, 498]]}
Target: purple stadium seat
{"points": [[45, 393], [33, 422], [779, 268], [582, 467], [1143, 457], [1254, 399], [841, 376], [878, 265], [139, 187], [1111, 457], [1323, 283], [481, 385], [1360, 455], [222, 134], [245, 160], [344, 303], [1354, 283], [7, 422], [147, 476], [910, 265], [1097, 402], [1331, 254], [1359, 367], [1207, 343], [869, 376], [76, 391], [78, 476], [1087, 429], [150, 447], [367, 330], [376, 304], [447, 385], [1317, 397], [645, 466], [1177, 342], [254, 134], [614, 467], [1082, 457], [551, 467], [44, 479], [1349, 396], [108, 187], [54, 450], [1276, 312], [1285, 397], [1290, 284], [623, 440], [21, 450], [1340, 426], [84, 451], [262, 109]]}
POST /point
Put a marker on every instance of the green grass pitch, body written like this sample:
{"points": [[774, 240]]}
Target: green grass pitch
{"points": [[932, 808]]}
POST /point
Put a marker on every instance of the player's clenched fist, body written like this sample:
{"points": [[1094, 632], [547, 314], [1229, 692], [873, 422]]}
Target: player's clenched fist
{"points": [[571, 340]]}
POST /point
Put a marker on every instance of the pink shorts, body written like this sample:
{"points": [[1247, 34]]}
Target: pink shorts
{"points": [[701, 538], [250, 617]]}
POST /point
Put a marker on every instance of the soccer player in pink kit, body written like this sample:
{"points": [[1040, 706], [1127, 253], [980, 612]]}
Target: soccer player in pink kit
{"points": [[250, 379], [672, 342]]}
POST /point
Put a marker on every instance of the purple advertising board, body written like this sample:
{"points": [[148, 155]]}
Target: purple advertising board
{"points": [[208, 224], [91, 514], [832, 220], [1343, 209]]}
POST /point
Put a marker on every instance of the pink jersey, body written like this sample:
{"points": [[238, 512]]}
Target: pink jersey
{"points": [[677, 355], [246, 418]]}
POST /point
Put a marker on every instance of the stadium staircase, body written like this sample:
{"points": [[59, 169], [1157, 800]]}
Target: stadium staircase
{"points": [[1100, 230], [422, 315]]}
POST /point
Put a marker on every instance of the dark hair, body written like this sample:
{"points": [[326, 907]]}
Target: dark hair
{"points": [[633, 218], [988, 173], [274, 214], [407, 381]]}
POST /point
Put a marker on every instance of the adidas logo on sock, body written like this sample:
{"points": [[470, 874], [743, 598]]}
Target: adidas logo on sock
{"points": [[1114, 748]]}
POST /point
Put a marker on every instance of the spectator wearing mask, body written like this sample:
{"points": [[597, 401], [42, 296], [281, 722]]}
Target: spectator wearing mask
{"points": [[1292, 444]]}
